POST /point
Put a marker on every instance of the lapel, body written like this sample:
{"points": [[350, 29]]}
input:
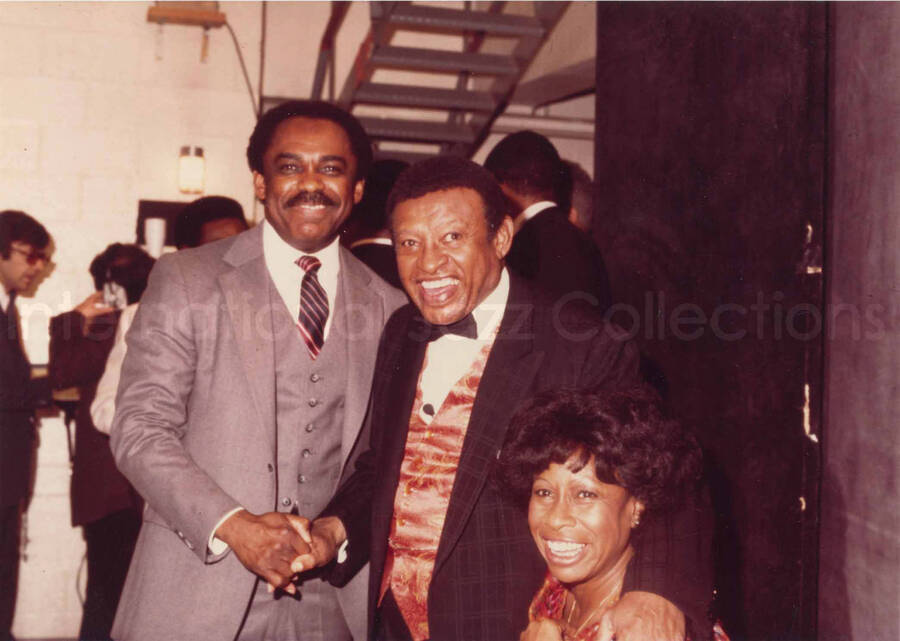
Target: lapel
{"points": [[507, 378], [363, 317], [396, 389], [246, 290]]}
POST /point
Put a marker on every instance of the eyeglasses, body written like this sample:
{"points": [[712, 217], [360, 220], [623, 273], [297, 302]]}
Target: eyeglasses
{"points": [[32, 257]]}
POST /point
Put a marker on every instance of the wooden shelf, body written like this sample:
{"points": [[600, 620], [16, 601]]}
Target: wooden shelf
{"points": [[200, 14]]}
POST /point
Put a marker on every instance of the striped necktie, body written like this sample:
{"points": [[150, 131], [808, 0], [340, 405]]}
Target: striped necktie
{"points": [[313, 306]]}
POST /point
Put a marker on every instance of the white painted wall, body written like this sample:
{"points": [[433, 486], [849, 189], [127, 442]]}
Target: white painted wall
{"points": [[91, 121]]}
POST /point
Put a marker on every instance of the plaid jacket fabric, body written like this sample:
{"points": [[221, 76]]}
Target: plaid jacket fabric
{"points": [[487, 568]]}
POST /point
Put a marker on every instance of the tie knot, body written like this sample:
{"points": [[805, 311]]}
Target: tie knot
{"points": [[309, 263]]}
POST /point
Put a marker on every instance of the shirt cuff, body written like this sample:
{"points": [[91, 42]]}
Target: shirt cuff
{"points": [[215, 545], [342, 552]]}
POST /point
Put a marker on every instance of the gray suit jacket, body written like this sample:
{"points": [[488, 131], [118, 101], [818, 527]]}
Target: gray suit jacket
{"points": [[195, 428]]}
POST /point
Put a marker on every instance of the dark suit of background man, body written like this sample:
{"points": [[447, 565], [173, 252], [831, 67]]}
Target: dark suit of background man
{"points": [[244, 387], [366, 232], [23, 256], [451, 558], [547, 248]]}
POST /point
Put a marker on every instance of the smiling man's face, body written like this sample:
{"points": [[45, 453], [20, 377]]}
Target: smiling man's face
{"points": [[308, 184], [447, 260]]}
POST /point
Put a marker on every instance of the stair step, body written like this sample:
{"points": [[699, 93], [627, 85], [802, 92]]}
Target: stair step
{"points": [[424, 17], [416, 130], [439, 60], [411, 157], [424, 97]]}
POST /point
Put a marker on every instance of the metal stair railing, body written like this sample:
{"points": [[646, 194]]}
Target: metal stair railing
{"points": [[469, 112]]}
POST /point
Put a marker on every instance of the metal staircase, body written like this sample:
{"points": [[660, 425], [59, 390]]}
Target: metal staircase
{"points": [[410, 121]]}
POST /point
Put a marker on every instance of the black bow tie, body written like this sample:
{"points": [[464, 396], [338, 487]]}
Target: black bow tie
{"points": [[463, 327]]}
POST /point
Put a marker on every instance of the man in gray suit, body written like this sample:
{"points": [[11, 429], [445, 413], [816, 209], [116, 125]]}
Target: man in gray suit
{"points": [[247, 378]]}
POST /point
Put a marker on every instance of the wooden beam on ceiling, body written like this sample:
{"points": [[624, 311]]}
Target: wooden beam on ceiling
{"points": [[199, 14]]}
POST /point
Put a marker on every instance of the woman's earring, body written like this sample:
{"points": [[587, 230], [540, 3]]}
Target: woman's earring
{"points": [[636, 516]]}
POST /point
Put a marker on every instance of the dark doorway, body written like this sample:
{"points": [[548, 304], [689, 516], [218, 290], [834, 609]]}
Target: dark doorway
{"points": [[710, 168], [168, 210]]}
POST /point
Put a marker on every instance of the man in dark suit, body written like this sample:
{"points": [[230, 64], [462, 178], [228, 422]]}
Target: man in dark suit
{"points": [[547, 248], [366, 232], [23, 256], [451, 558]]}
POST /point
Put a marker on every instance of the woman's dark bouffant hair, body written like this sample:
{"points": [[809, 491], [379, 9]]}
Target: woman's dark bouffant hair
{"points": [[127, 265], [633, 445]]}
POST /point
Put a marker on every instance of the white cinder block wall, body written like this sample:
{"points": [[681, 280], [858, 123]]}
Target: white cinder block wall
{"points": [[95, 103]]}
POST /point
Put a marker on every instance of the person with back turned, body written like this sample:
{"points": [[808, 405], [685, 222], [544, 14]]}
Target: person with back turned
{"points": [[546, 248]]}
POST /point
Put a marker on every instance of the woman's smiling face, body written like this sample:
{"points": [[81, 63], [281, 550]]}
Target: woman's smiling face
{"points": [[580, 524]]}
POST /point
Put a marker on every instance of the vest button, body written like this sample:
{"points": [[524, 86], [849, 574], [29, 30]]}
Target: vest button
{"points": [[313, 402], [310, 427], [301, 478], [306, 454], [286, 502], [270, 467], [315, 378]]}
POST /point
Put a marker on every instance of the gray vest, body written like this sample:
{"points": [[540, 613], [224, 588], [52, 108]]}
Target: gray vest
{"points": [[310, 410], [309, 405]]}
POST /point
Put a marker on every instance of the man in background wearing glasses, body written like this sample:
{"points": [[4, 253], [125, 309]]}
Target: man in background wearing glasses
{"points": [[23, 256]]}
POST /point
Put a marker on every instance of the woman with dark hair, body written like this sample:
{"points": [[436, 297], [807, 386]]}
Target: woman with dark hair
{"points": [[589, 468], [103, 502]]}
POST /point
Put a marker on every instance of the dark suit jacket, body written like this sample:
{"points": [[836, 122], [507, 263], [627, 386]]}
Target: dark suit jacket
{"points": [[19, 397], [381, 259], [559, 257], [76, 360], [487, 567]]}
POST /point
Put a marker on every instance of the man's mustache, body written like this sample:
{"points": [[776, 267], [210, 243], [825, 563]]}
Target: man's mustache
{"points": [[312, 198]]}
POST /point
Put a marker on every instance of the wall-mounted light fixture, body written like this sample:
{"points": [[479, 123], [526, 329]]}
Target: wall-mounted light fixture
{"points": [[191, 170]]}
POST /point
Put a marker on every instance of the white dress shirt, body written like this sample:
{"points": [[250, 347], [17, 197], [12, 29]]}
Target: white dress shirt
{"points": [[451, 356], [4, 299], [281, 264], [530, 212], [103, 407]]}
